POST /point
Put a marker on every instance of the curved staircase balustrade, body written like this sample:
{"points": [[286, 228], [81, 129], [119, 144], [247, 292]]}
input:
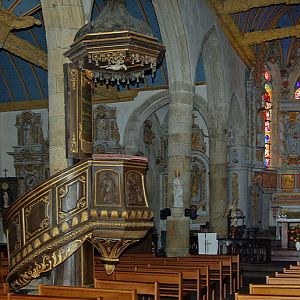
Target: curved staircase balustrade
{"points": [[102, 200]]}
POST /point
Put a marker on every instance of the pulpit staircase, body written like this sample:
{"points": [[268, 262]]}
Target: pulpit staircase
{"points": [[101, 200]]}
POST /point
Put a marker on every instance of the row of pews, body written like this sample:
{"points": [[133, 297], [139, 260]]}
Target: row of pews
{"points": [[283, 286], [177, 277], [145, 275]]}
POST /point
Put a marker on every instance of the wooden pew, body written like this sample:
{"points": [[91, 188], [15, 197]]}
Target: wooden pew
{"points": [[194, 280], [145, 288], [274, 289], [12, 296], [279, 274], [3, 269], [170, 284], [236, 265], [216, 272], [4, 288], [263, 297], [76, 292], [282, 280]]}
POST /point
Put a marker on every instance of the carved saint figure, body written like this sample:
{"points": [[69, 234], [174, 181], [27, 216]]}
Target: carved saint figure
{"points": [[135, 192], [27, 133], [178, 190], [233, 213], [101, 127], [109, 189], [6, 199]]}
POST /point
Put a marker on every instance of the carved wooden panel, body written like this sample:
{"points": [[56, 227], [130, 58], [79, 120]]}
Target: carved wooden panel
{"points": [[72, 197], [37, 216], [134, 191], [14, 242], [79, 112], [107, 188]]}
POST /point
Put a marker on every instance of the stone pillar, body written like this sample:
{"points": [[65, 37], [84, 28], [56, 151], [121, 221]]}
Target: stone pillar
{"points": [[78, 269], [62, 21], [218, 186], [179, 150]]}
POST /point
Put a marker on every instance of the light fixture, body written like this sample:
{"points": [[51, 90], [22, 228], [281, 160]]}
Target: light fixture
{"points": [[118, 48]]}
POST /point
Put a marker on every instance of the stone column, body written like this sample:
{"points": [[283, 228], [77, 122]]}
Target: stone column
{"points": [[62, 21], [179, 150], [218, 186]]}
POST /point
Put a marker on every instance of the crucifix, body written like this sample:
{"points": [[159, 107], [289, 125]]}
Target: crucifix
{"points": [[206, 245], [5, 171]]}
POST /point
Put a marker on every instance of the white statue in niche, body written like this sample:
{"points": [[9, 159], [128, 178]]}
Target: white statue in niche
{"points": [[101, 127], [27, 133], [292, 138], [178, 190]]}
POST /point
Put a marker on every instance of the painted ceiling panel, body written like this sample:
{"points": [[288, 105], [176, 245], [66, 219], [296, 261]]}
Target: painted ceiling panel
{"points": [[270, 17]]}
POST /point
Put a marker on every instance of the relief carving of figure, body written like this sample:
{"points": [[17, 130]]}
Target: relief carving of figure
{"points": [[109, 189], [233, 213], [292, 138], [135, 192], [178, 190]]}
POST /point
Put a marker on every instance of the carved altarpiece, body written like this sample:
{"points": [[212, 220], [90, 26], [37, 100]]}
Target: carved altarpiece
{"points": [[31, 156]]}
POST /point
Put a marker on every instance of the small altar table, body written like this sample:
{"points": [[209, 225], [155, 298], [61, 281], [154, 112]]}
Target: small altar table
{"points": [[284, 230]]}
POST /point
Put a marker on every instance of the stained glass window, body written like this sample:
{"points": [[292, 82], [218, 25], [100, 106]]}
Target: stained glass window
{"points": [[267, 76], [297, 89], [267, 104]]}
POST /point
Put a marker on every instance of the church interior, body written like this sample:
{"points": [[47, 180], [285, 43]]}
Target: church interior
{"points": [[162, 127]]}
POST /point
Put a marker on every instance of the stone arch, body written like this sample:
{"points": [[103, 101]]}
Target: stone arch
{"points": [[137, 118], [173, 34]]}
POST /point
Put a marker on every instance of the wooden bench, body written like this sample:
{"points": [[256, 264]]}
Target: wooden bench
{"points": [[3, 269], [215, 268], [11, 296], [264, 297], [76, 292], [234, 266], [170, 284], [145, 288], [279, 274], [282, 280], [194, 280], [4, 288], [274, 289]]}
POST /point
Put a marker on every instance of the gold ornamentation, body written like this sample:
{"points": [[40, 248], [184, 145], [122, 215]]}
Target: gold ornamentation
{"points": [[45, 223], [235, 188], [74, 144], [64, 227], [288, 181], [63, 193]]}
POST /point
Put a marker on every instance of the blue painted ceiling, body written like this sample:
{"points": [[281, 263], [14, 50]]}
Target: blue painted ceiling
{"points": [[23, 81]]}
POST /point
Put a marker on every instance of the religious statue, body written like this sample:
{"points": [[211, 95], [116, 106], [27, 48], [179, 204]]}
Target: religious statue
{"points": [[233, 213], [6, 199], [178, 190], [292, 138], [109, 189]]}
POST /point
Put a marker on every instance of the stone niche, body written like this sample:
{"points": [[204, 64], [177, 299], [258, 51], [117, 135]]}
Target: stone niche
{"points": [[31, 155]]}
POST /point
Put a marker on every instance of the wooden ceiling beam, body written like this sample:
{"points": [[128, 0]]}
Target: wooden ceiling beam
{"points": [[258, 37], [16, 45], [233, 34], [26, 51], [234, 6]]}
